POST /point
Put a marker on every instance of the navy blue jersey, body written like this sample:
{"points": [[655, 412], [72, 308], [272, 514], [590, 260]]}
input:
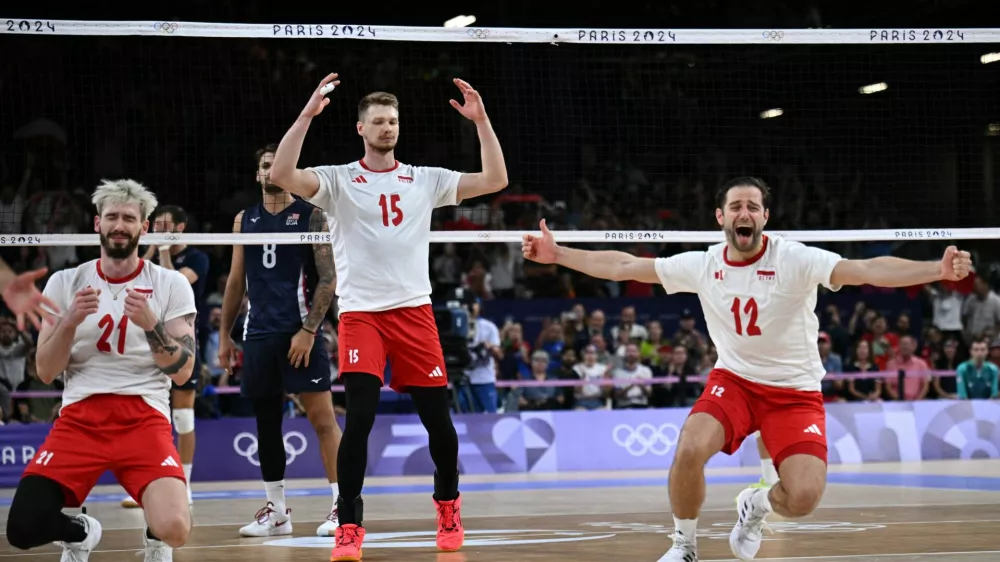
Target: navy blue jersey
{"points": [[196, 261], [281, 278]]}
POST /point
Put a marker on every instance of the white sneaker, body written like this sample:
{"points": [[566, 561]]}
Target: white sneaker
{"points": [[329, 527], [269, 523], [155, 550], [744, 540], [684, 550], [129, 503], [80, 551]]}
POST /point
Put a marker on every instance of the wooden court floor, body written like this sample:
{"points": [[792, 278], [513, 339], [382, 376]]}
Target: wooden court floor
{"points": [[907, 512]]}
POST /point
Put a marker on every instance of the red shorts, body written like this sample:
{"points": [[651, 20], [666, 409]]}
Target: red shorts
{"points": [[791, 422], [407, 336], [113, 432]]}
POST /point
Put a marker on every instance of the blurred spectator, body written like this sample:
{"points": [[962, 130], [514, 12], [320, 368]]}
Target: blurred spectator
{"points": [[975, 378], [946, 309], [981, 311], [506, 269], [595, 326], [689, 336], [945, 387], [916, 382], [833, 390], [540, 397], [632, 394], [484, 350], [649, 349], [591, 396], [38, 409], [883, 342], [627, 325], [863, 389], [447, 270], [516, 352], [210, 353]]}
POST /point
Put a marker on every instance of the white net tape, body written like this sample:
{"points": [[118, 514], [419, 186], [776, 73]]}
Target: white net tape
{"points": [[569, 236]]}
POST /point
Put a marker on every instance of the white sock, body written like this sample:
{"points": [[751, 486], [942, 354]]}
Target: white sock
{"points": [[335, 488], [686, 527], [276, 494], [187, 473], [770, 473]]}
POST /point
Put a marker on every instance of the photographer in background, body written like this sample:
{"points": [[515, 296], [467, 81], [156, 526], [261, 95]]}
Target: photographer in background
{"points": [[480, 392]]}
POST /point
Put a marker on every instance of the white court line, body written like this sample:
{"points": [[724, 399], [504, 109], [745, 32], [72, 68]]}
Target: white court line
{"points": [[859, 556], [137, 549]]}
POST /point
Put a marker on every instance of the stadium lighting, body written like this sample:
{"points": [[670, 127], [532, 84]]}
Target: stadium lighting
{"points": [[771, 113], [989, 57], [460, 21], [993, 130], [873, 88]]}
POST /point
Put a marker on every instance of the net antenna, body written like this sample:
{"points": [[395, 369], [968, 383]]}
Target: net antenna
{"points": [[645, 40]]}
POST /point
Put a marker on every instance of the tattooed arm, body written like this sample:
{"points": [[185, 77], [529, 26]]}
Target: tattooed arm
{"points": [[327, 284], [173, 347]]}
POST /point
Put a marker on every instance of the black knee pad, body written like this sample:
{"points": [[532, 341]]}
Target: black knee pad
{"points": [[35, 512], [363, 392], [433, 407]]}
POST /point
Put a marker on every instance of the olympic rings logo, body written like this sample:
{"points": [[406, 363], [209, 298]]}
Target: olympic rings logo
{"points": [[479, 33], [484, 235], [171, 237], [646, 438], [250, 452], [165, 26], [774, 35]]}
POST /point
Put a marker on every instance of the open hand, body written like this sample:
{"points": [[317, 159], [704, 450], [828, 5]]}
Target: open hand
{"points": [[317, 101], [955, 265], [540, 249], [473, 108], [26, 302]]}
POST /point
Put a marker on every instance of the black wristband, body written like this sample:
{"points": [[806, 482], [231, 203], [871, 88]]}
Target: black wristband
{"points": [[308, 331]]}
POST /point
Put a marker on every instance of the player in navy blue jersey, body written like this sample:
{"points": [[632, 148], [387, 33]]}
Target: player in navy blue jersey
{"points": [[290, 289], [193, 264]]}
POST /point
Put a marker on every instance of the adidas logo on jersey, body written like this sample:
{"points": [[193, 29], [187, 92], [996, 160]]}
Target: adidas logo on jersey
{"points": [[814, 429], [436, 373], [359, 179], [169, 462]]}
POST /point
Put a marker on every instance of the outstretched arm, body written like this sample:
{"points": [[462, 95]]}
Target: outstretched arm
{"points": [[889, 271], [284, 170], [608, 264], [493, 178]]}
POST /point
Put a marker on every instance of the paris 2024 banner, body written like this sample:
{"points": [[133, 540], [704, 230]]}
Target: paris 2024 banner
{"points": [[571, 441]]}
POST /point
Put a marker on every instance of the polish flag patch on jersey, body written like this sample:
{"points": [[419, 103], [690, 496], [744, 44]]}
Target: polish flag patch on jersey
{"points": [[765, 274], [405, 179], [143, 290]]}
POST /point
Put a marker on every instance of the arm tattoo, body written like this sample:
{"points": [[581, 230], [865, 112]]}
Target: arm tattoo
{"points": [[161, 342], [323, 257]]}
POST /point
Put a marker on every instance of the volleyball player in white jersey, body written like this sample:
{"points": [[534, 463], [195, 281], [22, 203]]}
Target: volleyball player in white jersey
{"points": [[759, 298], [380, 216], [126, 332]]}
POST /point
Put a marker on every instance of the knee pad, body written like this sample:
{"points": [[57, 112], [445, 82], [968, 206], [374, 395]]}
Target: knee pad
{"points": [[184, 420]]}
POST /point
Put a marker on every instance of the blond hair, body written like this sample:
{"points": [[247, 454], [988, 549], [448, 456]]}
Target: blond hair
{"points": [[124, 192]]}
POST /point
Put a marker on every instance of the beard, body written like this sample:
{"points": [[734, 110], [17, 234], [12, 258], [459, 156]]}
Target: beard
{"points": [[272, 189], [117, 250], [744, 238]]}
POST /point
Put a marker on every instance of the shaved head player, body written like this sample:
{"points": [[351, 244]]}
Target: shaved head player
{"points": [[126, 332], [380, 217], [759, 298]]}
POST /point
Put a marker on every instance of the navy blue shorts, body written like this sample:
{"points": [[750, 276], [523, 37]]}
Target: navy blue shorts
{"points": [[267, 370]]}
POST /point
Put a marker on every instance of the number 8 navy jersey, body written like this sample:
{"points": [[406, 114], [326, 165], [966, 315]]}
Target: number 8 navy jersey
{"points": [[281, 278]]}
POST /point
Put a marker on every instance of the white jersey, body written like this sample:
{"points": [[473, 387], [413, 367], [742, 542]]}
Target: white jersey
{"points": [[110, 354], [381, 227], [761, 312]]}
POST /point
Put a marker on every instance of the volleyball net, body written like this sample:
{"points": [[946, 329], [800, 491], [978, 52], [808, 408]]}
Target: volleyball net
{"points": [[874, 141]]}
